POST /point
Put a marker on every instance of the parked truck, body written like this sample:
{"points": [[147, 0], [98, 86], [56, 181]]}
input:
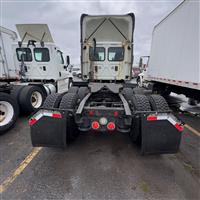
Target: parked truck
{"points": [[103, 101], [30, 69], [174, 64]]}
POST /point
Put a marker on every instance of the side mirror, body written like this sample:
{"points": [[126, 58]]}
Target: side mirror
{"points": [[42, 43], [140, 63], [94, 46], [67, 60], [69, 68]]}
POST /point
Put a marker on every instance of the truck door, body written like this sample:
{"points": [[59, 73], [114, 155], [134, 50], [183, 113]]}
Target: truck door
{"points": [[42, 60], [24, 54]]}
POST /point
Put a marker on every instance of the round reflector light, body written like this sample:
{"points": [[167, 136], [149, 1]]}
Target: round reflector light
{"points": [[111, 126], [95, 125]]}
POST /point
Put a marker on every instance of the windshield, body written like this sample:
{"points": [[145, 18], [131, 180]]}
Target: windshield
{"points": [[116, 53], [26, 52], [99, 54], [41, 54]]}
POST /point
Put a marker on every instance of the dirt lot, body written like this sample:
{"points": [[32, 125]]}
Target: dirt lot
{"points": [[98, 166]]}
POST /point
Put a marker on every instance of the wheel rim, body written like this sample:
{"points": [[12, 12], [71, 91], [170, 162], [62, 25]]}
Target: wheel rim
{"points": [[6, 112], [36, 99]]}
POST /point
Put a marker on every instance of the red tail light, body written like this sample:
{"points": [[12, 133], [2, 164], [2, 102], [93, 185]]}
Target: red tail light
{"points": [[95, 125], [56, 115], [111, 126], [152, 118]]}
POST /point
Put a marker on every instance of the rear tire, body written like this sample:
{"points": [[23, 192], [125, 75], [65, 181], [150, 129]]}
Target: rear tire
{"points": [[82, 92], [15, 92], [31, 98], [9, 111], [69, 101], [53, 100], [138, 90], [73, 89], [158, 103], [128, 94], [140, 103]]}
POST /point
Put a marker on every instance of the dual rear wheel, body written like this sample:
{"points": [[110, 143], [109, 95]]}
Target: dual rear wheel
{"points": [[68, 102], [143, 103], [29, 97]]}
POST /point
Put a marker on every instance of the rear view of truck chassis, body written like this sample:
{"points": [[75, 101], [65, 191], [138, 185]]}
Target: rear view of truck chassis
{"points": [[103, 108], [104, 100]]}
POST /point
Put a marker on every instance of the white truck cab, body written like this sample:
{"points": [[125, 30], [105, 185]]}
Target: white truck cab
{"points": [[107, 47], [42, 59], [40, 62]]}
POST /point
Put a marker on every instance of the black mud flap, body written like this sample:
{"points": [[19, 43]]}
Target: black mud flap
{"points": [[160, 136], [48, 129]]}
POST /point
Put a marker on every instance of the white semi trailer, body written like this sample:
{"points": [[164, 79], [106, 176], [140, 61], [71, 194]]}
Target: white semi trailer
{"points": [[30, 69], [174, 64]]}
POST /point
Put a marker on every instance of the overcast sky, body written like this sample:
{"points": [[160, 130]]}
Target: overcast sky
{"points": [[63, 19]]}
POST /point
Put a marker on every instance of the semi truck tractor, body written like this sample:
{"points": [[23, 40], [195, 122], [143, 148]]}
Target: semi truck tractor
{"points": [[30, 69], [174, 57], [104, 100]]}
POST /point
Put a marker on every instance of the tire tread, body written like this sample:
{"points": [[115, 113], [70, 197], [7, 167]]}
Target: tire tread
{"points": [[158, 103]]}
